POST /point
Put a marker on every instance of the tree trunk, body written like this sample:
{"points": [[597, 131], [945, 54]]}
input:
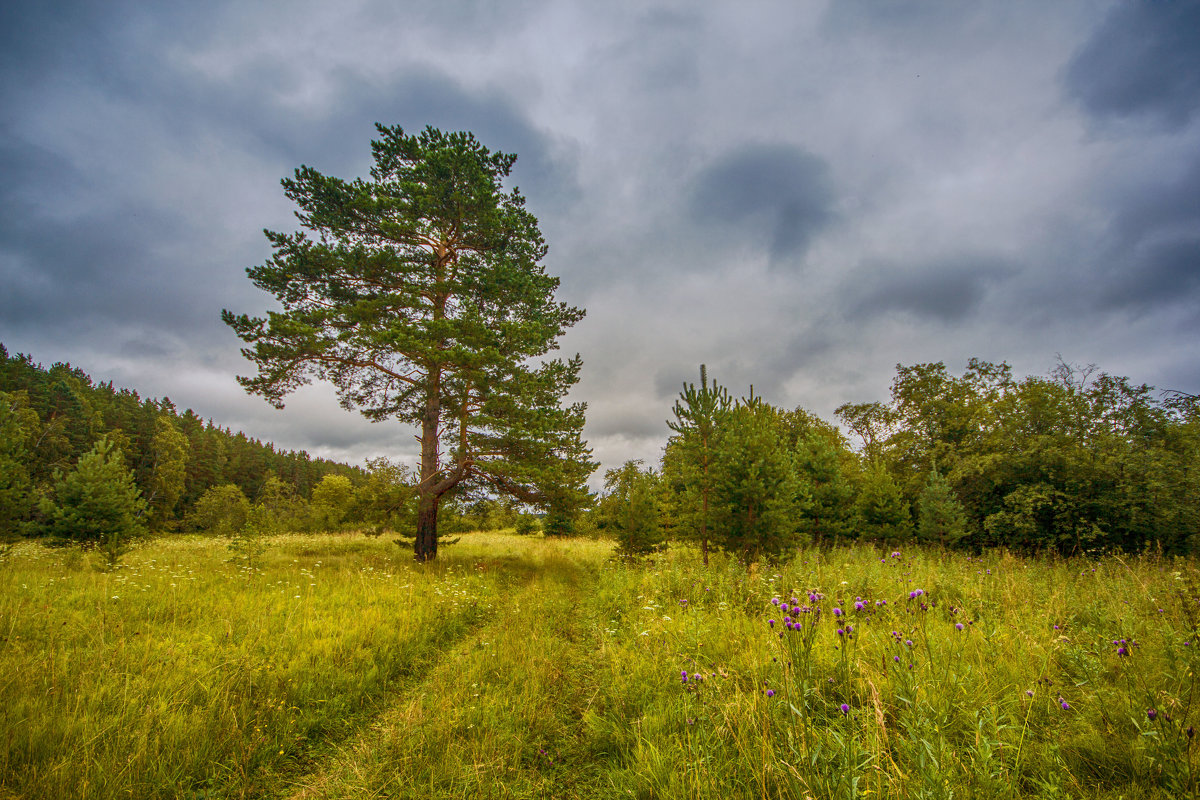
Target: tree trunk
{"points": [[425, 547]]}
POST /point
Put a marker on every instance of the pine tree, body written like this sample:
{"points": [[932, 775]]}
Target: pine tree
{"points": [[687, 463], [758, 496], [99, 502], [422, 299]]}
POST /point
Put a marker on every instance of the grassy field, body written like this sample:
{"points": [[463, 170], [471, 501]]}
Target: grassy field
{"points": [[518, 667]]}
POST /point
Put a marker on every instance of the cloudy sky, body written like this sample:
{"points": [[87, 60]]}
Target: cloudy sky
{"points": [[798, 194]]}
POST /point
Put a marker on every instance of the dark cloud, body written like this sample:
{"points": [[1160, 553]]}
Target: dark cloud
{"points": [[1143, 61], [945, 292], [1165, 274], [777, 193]]}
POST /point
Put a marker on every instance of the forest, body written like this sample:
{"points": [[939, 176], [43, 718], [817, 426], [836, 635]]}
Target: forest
{"points": [[1074, 462]]}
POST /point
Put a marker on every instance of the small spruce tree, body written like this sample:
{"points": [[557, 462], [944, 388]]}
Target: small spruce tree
{"points": [[941, 517]]}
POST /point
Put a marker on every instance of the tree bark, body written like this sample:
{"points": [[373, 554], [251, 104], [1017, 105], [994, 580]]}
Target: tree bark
{"points": [[428, 498], [425, 547]]}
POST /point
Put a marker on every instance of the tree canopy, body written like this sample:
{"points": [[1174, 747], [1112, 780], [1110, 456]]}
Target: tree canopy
{"points": [[421, 297]]}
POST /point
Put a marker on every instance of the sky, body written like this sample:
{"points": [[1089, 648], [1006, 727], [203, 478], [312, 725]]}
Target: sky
{"points": [[800, 195]]}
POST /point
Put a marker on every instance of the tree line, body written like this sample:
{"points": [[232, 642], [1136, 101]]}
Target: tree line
{"points": [[1075, 461], [56, 421]]}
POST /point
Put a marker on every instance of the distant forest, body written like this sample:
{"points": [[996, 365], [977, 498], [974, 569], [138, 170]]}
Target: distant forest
{"points": [[51, 417]]}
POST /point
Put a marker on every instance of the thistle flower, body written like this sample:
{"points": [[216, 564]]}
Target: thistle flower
{"points": [[845, 708], [770, 692], [1151, 714], [1065, 705], [958, 626], [837, 612], [771, 623], [684, 676]]}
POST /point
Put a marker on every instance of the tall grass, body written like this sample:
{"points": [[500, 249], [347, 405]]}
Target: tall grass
{"points": [[523, 667]]}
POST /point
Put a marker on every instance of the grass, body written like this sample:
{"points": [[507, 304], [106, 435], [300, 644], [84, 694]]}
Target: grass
{"points": [[519, 667]]}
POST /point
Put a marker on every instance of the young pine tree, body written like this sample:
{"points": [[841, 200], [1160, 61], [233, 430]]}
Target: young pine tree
{"points": [[687, 464], [99, 502], [758, 495]]}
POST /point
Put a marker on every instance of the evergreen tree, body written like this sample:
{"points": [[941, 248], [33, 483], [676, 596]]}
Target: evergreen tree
{"points": [[19, 426], [631, 509], [758, 497], [422, 299], [882, 512], [941, 517], [687, 464], [98, 502]]}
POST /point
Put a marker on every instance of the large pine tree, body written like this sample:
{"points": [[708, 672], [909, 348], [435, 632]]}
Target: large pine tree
{"points": [[422, 298]]}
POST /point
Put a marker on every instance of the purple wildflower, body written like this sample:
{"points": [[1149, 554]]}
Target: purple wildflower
{"points": [[1065, 705], [958, 626], [770, 692], [837, 612], [845, 708], [771, 623], [1151, 714]]}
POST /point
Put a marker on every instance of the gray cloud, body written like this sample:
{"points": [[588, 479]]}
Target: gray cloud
{"points": [[1143, 61], [777, 193], [945, 292], [771, 191], [1166, 273]]}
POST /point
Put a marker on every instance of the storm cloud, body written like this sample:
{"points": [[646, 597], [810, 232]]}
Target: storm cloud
{"points": [[799, 196]]}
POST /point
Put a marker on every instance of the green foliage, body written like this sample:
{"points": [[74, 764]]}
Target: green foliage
{"points": [[281, 509], [758, 496], [687, 466], [386, 501], [421, 298], [882, 512], [222, 510], [168, 472], [332, 501], [527, 524], [631, 509], [19, 427], [70, 411], [941, 519], [98, 502], [1076, 461]]}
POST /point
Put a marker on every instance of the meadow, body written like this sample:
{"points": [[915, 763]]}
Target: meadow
{"points": [[522, 667]]}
